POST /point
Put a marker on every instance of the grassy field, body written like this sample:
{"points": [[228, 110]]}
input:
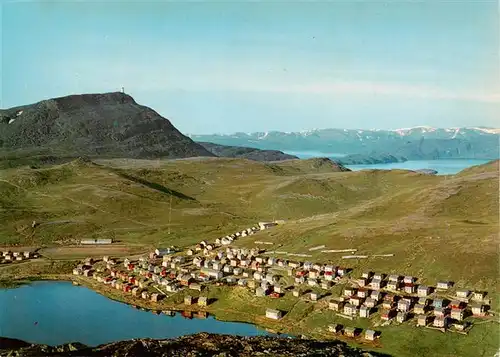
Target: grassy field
{"points": [[437, 227]]}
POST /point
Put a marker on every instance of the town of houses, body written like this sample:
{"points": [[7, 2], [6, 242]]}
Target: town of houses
{"points": [[8, 256], [382, 298]]}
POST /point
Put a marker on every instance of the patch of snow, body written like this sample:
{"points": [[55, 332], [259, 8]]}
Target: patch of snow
{"points": [[19, 113], [11, 121], [488, 130], [263, 136], [457, 130]]}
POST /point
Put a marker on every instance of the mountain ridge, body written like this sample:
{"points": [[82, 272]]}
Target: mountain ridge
{"points": [[419, 143]]}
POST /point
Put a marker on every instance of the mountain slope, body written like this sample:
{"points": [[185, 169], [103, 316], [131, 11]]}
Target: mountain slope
{"points": [[246, 152], [412, 143], [110, 124]]}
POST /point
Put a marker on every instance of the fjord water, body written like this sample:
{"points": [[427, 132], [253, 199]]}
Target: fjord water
{"points": [[443, 167], [54, 313]]}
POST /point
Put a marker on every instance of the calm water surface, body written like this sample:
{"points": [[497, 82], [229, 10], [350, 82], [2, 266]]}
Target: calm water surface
{"points": [[443, 167], [58, 312]]}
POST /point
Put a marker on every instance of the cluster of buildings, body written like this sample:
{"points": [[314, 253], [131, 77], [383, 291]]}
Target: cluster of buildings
{"points": [[8, 256], [246, 232], [370, 335], [399, 297]]}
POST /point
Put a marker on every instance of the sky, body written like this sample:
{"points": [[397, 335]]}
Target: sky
{"points": [[223, 67]]}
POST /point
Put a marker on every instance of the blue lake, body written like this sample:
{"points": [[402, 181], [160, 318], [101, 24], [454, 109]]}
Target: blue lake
{"points": [[53, 313], [443, 167]]}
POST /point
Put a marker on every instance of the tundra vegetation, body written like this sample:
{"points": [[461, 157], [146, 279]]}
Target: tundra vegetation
{"points": [[435, 227]]}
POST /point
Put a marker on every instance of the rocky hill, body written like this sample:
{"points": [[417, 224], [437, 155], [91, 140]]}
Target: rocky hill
{"points": [[243, 152], [202, 344], [110, 124]]}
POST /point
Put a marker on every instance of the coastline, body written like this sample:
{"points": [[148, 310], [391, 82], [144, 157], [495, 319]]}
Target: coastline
{"points": [[275, 327]]}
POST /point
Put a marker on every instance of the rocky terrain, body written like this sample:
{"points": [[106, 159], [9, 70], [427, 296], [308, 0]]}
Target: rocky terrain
{"points": [[110, 124], [202, 344], [249, 153]]}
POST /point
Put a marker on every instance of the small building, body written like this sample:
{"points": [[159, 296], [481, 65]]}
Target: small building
{"points": [[376, 284], [145, 295], [403, 306], [371, 335], [392, 285], [440, 311], [314, 296], [409, 288], [438, 303], [195, 286], [155, 297], [462, 293], [77, 271], [312, 282], [349, 291], [350, 310], [355, 300], [135, 291], [401, 317], [423, 301], [443, 285], [394, 278], [478, 295], [260, 291], [478, 310], [376, 295], [363, 293], [441, 321], [409, 279], [336, 305], [350, 331], [370, 302], [423, 290], [364, 311], [296, 292], [378, 276], [367, 274], [278, 289], [202, 301], [422, 320], [337, 328], [387, 315], [362, 282], [457, 314], [188, 300], [419, 309], [326, 285], [273, 314]]}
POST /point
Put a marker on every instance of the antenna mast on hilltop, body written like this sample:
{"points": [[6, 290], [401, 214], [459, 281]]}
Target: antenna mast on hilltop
{"points": [[123, 89]]}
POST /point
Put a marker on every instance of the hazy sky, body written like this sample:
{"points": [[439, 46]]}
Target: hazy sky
{"points": [[233, 66]]}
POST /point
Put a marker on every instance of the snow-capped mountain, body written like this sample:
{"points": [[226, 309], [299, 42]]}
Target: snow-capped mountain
{"points": [[421, 142]]}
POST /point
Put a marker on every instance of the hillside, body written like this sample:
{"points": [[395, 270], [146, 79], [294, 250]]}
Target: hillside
{"points": [[432, 227], [105, 125], [246, 152], [407, 213], [375, 145]]}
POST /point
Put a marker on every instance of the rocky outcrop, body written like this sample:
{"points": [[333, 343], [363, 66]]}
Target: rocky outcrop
{"points": [[202, 344]]}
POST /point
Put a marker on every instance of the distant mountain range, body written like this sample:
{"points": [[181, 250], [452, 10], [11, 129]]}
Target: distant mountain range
{"points": [[372, 146]]}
